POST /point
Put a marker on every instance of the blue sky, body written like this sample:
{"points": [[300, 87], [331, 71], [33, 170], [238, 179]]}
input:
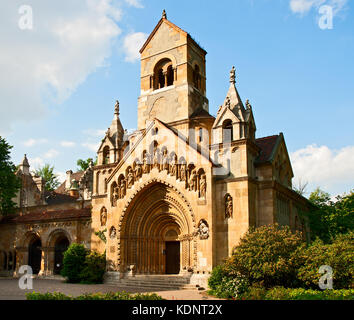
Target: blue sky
{"points": [[59, 80]]}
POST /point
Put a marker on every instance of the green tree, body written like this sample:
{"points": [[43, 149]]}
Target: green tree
{"points": [[328, 218], [84, 164], [9, 183], [74, 262], [51, 179]]}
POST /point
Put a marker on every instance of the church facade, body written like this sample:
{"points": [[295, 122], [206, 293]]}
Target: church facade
{"points": [[176, 195]]}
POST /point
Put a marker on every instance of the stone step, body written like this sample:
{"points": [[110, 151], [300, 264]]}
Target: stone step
{"points": [[157, 281]]}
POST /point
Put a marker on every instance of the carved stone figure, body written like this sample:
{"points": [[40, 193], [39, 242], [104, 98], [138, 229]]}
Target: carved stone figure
{"points": [[202, 186], [193, 181], [115, 196], [112, 232], [130, 178], [174, 166], [138, 171], [203, 230], [123, 189], [228, 207], [183, 172], [164, 164], [103, 216], [146, 163], [156, 159]]}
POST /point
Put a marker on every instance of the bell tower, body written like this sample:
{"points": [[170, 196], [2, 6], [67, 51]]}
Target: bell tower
{"points": [[172, 75]]}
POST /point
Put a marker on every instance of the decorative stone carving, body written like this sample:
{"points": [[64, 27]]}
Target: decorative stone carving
{"points": [[156, 159], [202, 186], [146, 163], [173, 169], [228, 206], [130, 178], [138, 171], [165, 165], [193, 181], [122, 189], [115, 196], [183, 172], [112, 232], [103, 216], [203, 230]]}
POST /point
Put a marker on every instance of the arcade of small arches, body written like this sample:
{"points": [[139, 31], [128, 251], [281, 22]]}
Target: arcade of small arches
{"points": [[44, 257], [195, 179]]}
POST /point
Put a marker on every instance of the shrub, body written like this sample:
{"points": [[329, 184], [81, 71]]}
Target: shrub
{"points": [[94, 268], [216, 276], [339, 255], [93, 296], [73, 262], [266, 255]]}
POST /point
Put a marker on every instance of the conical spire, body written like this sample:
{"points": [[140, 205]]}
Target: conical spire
{"points": [[24, 166], [25, 161]]}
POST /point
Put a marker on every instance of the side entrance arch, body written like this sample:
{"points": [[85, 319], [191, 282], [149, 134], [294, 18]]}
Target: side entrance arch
{"points": [[35, 254]]}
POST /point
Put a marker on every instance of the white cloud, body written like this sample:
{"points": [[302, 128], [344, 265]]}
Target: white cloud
{"points": [[304, 6], [68, 144], [52, 153], [31, 142], [35, 163], [132, 44], [61, 176], [69, 40], [91, 146], [332, 170], [95, 132], [135, 3]]}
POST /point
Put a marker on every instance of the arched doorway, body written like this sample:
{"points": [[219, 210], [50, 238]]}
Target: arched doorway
{"points": [[35, 254], [61, 245], [157, 232]]}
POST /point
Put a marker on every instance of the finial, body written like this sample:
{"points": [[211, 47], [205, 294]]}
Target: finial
{"points": [[164, 14], [248, 105], [116, 107], [233, 75]]}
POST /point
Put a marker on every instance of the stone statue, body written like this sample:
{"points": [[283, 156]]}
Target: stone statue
{"points": [[233, 75], [115, 196], [103, 216], [156, 159], [228, 207], [182, 174], [203, 230], [228, 102], [116, 107], [130, 178], [193, 181], [123, 189], [146, 163], [174, 165], [248, 105], [165, 165], [138, 171], [112, 232], [202, 186]]}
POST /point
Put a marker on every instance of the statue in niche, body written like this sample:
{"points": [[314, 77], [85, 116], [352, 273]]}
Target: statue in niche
{"points": [[193, 181], [174, 165], [228, 207], [182, 174], [202, 186], [103, 216], [112, 232], [164, 165], [123, 189], [115, 196], [130, 178], [156, 159], [203, 230], [138, 171], [146, 163]]}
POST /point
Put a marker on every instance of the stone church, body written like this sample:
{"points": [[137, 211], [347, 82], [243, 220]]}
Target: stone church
{"points": [[173, 197]]}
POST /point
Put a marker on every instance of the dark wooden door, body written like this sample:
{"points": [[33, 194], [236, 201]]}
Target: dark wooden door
{"points": [[35, 256], [172, 257]]}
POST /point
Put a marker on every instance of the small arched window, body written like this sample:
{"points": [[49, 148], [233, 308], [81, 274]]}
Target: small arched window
{"points": [[227, 134], [163, 74], [105, 155], [196, 77]]}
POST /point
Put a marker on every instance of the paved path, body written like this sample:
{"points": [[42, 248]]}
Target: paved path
{"points": [[9, 290]]}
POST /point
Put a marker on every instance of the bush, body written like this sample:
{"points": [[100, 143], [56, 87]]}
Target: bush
{"points": [[216, 276], [266, 256], [281, 293], [94, 268], [74, 262], [93, 296], [339, 255]]}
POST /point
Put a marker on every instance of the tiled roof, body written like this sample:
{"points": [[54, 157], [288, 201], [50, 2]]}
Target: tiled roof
{"points": [[75, 175], [201, 113], [58, 198], [266, 145], [48, 216]]}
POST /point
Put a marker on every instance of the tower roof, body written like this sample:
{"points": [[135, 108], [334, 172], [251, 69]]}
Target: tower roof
{"points": [[24, 162]]}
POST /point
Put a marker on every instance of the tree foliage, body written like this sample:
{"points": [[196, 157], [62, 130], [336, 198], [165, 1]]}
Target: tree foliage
{"points": [[9, 182], [82, 165], [329, 218], [51, 179]]}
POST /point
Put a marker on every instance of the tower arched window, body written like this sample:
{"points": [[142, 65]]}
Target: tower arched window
{"points": [[106, 155], [227, 134], [196, 77], [163, 74]]}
